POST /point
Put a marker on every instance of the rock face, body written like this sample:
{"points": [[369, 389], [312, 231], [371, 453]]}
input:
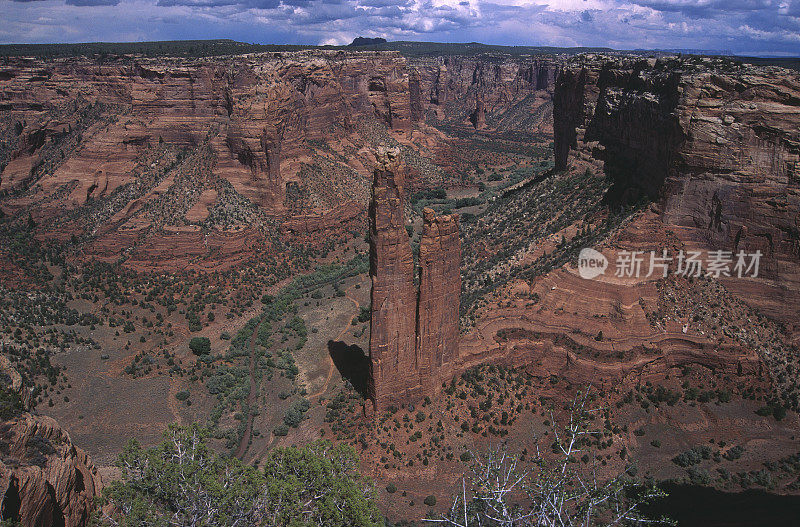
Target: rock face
{"points": [[414, 336], [44, 479], [256, 112], [478, 117], [180, 162], [557, 334], [393, 361], [717, 144], [439, 294], [166, 156], [568, 112], [496, 91]]}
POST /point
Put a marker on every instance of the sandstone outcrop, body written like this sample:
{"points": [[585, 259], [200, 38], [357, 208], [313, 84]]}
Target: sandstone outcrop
{"points": [[614, 331], [257, 111], [44, 479], [393, 362], [439, 294], [87, 145], [716, 143], [478, 117], [258, 141], [505, 93], [414, 335]]}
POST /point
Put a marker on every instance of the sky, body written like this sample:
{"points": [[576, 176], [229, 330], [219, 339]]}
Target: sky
{"points": [[744, 27]]}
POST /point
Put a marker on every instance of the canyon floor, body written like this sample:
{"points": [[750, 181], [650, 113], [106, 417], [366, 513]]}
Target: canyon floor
{"points": [[136, 375]]}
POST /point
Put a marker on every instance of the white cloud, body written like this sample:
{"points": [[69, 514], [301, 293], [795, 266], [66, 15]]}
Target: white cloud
{"points": [[737, 25]]}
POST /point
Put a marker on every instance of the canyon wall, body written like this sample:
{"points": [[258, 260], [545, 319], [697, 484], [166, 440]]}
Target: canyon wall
{"points": [[177, 162], [715, 143], [255, 111], [167, 160], [413, 335], [493, 90]]}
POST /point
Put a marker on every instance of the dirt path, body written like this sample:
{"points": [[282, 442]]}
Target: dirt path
{"points": [[331, 366], [251, 397]]}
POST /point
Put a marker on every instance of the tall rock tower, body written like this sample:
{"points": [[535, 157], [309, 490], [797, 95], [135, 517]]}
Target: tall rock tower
{"points": [[392, 339], [414, 336], [439, 296]]}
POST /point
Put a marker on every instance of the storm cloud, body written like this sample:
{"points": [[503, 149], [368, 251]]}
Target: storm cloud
{"points": [[763, 27]]}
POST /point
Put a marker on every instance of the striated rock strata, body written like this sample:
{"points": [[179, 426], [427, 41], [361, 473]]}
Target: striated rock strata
{"points": [[44, 479], [716, 143], [393, 362], [164, 160], [439, 294], [490, 90]]}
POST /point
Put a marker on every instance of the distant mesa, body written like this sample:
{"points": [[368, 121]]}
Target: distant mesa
{"points": [[364, 41]]}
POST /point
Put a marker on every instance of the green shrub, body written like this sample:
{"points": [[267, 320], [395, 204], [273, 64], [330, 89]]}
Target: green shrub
{"points": [[200, 345], [693, 456], [365, 314], [304, 482], [280, 430], [734, 453], [10, 404], [182, 395], [430, 501], [295, 413]]}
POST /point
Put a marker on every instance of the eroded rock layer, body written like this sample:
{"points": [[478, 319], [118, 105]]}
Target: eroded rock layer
{"points": [[496, 91], [165, 160], [162, 161], [44, 479], [393, 362], [715, 142]]}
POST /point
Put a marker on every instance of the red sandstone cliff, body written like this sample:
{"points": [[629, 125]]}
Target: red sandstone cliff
{"points": [[439, 294], [257, 111], [175, 162], [512, 93], [165, 160], [716, 143], [44, 479]]}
